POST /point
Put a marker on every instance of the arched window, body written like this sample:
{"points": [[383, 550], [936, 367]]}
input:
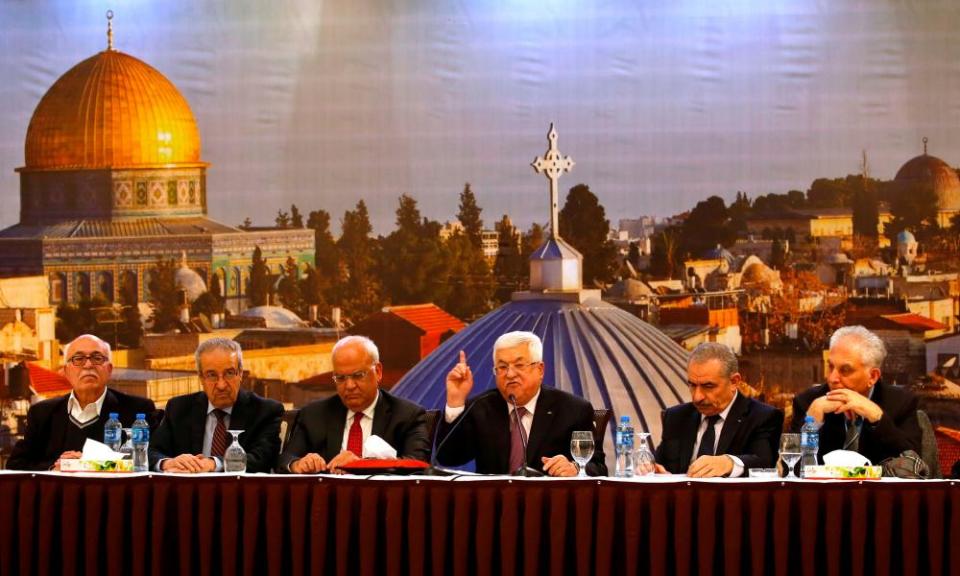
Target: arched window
{"points": [[58, 287]]}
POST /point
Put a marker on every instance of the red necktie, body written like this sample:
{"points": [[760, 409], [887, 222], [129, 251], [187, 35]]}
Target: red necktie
{"points": [[355, 439], [517, 437], [219, 444]]}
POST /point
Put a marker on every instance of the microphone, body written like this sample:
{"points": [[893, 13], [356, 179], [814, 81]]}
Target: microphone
{"points": [[523, 470], [435, 470]]}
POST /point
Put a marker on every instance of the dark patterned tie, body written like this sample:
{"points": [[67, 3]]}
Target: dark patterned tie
{"points": [[709, 438], [852, 439], [219, 444], [355, 438], [517, 439]]}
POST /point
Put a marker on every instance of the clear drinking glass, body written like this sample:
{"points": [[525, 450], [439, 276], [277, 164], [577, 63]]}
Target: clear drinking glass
{"points": [[644, 463], [581, 448], [127, 448], [235, 458], [790, 452]]}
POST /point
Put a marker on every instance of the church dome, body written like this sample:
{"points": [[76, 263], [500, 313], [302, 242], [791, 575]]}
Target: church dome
{"points": [[112, 111], [926, 170]]}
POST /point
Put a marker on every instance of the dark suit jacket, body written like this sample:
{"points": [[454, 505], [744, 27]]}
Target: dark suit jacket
{"points": [[482, 432], [898, 430], [751, 432], [185, 421], [319, 428], [50, 432]]}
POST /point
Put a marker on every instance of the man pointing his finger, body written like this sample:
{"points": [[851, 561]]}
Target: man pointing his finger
{"points": [[488, 432]]}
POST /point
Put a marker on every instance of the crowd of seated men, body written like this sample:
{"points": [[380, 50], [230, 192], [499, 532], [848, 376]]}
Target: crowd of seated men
{"points": [[521, 425]]}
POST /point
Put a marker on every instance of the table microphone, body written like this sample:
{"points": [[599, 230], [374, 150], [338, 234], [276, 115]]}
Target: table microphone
{"points": [[435, 470], [523, 470]]}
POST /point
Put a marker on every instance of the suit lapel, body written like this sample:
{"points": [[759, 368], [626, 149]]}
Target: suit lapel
{"points": [[498, 425], [542, 422], [335, 425], [58, 427], [381, 417], [198, 423], [735, 417], [688, 436], [110, 404], [241, 412]]}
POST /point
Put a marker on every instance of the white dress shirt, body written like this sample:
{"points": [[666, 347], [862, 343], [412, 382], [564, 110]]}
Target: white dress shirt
{"points": [[87, 414], [451, 414], [366, 423]]}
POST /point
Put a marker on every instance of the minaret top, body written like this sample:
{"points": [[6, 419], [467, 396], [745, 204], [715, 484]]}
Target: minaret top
{"points": [[109, 29]]}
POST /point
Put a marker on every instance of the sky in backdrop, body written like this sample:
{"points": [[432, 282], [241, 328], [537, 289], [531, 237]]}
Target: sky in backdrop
{"points": [[660, 104]]}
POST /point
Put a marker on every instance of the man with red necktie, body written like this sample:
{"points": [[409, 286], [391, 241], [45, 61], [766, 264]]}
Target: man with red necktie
{"points": [[331, 433]]}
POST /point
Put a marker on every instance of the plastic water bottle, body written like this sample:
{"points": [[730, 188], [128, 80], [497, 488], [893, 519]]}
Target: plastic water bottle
{"points": [[111, 432], [809, 444], [624, 448], [141, 441]]}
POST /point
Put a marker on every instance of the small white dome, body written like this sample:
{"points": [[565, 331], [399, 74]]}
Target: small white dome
{"points": [[275, 316], [188, 280]]}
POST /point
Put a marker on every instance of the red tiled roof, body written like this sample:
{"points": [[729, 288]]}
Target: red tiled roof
{"points": [[47, 383], [914, 321], [427, 317]]}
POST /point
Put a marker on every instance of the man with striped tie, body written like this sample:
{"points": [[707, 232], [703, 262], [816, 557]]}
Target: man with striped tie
{"points": [[193, 435]]}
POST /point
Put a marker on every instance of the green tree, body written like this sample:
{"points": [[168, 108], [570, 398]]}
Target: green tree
{"points": [[296, 218], [165, 298], [510, 269], [913, 208], [313, 288], [289, 289], [247, 224], [584, 224], [282, 220], [739, 212], [259, 292], [707, 226], [469, 216], [131, 331], [664, 255], [778, 255], [469, 278], [414, 266], [361, 291], [532, 239]]}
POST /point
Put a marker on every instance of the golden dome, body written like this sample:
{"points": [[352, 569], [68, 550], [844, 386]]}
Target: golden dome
{"points": [[112, 111]]}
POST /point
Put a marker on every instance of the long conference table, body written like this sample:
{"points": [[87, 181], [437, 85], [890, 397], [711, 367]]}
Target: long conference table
{"points": [[260, 524]]}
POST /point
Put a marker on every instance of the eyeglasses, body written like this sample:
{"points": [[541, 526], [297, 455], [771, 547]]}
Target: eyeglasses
{"points": [[356, 376], [211, 377], [502, 369], [96, 359]]}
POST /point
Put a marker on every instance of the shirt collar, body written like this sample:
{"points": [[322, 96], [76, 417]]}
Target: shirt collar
{"points": [[368, 411], [531, 406], [88, 412], [211, 408]]}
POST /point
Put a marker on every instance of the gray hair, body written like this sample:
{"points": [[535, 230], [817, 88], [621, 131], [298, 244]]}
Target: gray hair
{"points": [[219, 343], [102, 343], [707, 351], [872, 349], [367, 344], [511, 339]]}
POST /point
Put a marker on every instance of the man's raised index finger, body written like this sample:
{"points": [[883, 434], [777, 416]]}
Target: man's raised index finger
{"points": [[463, 357]]}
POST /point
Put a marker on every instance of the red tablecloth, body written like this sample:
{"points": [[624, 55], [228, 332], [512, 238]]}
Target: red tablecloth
{"points": [[165, 525]]}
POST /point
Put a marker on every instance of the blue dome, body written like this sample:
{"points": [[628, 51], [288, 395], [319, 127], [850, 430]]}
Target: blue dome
{"points": [[591, 349], [906, 237]]}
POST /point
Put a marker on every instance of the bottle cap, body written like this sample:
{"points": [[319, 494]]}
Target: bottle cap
{"points": [[141, 416], [114, 416], [624, 419], [808, 419]]}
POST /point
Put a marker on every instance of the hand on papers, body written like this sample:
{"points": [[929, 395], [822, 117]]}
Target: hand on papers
{"points": [[459, 382], [558, 466], [341, 459], [710, 467], [189, 464], [68, 455]]}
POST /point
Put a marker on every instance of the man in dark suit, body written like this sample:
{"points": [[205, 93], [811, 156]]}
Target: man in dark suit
{"points": [[720, 432], [489, 434], [193, 435], [58, 428], [333, 432], [856, 410]]}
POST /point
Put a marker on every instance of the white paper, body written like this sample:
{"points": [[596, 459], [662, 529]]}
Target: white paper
{"points": [[847, 458], [93, 450], [377, 447]]}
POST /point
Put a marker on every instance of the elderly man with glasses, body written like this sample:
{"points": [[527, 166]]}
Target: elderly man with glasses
{"points": [[193, 435], [332, 433], [58, 428], [485, 428]]}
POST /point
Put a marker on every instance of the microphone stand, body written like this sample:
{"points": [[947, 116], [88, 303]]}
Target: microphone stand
{"points": [[523, 470], [435, 470]]}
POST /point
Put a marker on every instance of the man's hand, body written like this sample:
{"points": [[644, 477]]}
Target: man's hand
{"points": [[68, 455], [710, 467], [659, 469], [853, 403], [558, 466], [187, 464], [459, 383], [312, 463], [821, 406], [341, 459]]}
